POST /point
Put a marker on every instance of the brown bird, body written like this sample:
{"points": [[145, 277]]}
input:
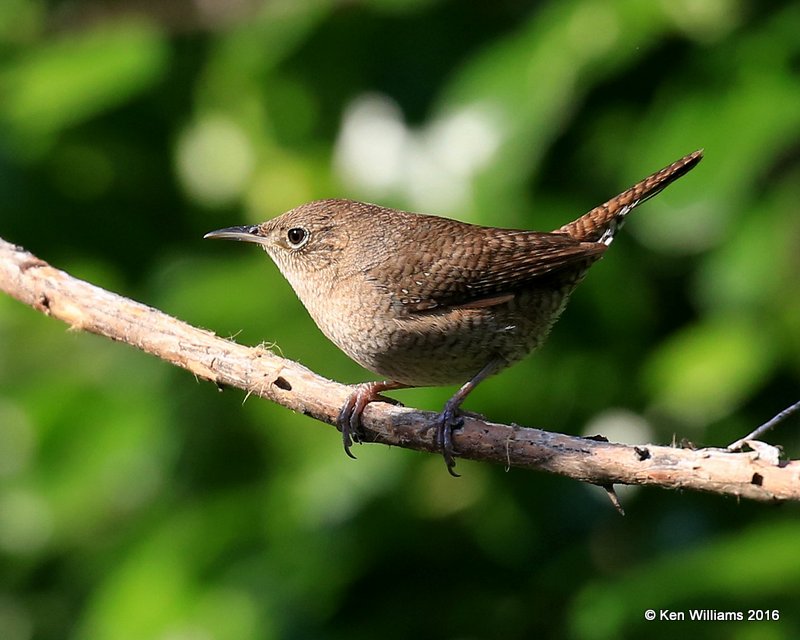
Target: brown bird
{"points": [[427, 301]]}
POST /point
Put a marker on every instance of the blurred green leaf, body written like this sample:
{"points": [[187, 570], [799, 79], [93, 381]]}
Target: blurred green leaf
{"points": [[72, 79], [706, 371]]}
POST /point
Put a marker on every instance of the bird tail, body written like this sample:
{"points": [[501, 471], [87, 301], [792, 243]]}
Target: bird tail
{"points": [[601, 223]]}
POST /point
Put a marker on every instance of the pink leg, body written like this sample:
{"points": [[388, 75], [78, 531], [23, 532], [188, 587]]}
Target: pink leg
{"points": [[349, 420]]}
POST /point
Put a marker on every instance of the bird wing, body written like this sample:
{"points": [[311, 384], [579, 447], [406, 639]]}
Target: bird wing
{"points": [[482, 267]]}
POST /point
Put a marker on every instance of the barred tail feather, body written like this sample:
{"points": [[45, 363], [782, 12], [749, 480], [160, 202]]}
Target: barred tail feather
{"points": [[601, 223]]}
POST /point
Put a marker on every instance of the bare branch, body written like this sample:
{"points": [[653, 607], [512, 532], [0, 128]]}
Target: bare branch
{"points": [[258, 371], [760, 431]]}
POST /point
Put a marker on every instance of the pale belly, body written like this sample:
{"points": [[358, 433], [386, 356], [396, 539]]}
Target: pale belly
{"points": [[449, 346]]}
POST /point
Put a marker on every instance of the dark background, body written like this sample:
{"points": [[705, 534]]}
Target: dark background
{"points": [[138, 503]]}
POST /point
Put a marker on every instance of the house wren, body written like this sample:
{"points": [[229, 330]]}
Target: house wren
{"points": [[426, 301]]}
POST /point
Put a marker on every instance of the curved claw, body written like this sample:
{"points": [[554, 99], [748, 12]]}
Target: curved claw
{"points": [[445, 423], [349, 419], [349, 423], [449, 419]]}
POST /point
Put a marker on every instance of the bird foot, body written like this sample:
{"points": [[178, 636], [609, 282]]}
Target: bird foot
{"points": [[446, 421], [349, 419], [349, 423]]}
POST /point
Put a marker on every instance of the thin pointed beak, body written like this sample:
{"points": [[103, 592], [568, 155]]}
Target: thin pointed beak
{"points": [[246, 233]]}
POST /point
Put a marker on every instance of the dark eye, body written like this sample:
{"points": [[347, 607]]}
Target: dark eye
{"points": [[297, 237]]}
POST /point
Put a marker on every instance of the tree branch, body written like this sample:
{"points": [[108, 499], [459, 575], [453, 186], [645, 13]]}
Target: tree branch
{"points": [[753, 475]]}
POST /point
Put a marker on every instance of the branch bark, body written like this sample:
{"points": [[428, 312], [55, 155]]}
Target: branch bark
{"points": [[752, 475]]}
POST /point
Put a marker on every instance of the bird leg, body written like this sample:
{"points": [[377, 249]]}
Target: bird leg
{"points": [[449, 419], [349, 420]]}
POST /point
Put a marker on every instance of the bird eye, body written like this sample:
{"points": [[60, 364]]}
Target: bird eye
{"points": [[297, 237]]}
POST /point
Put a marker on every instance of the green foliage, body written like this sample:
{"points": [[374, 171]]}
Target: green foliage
{"points": [[137, 503]]}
